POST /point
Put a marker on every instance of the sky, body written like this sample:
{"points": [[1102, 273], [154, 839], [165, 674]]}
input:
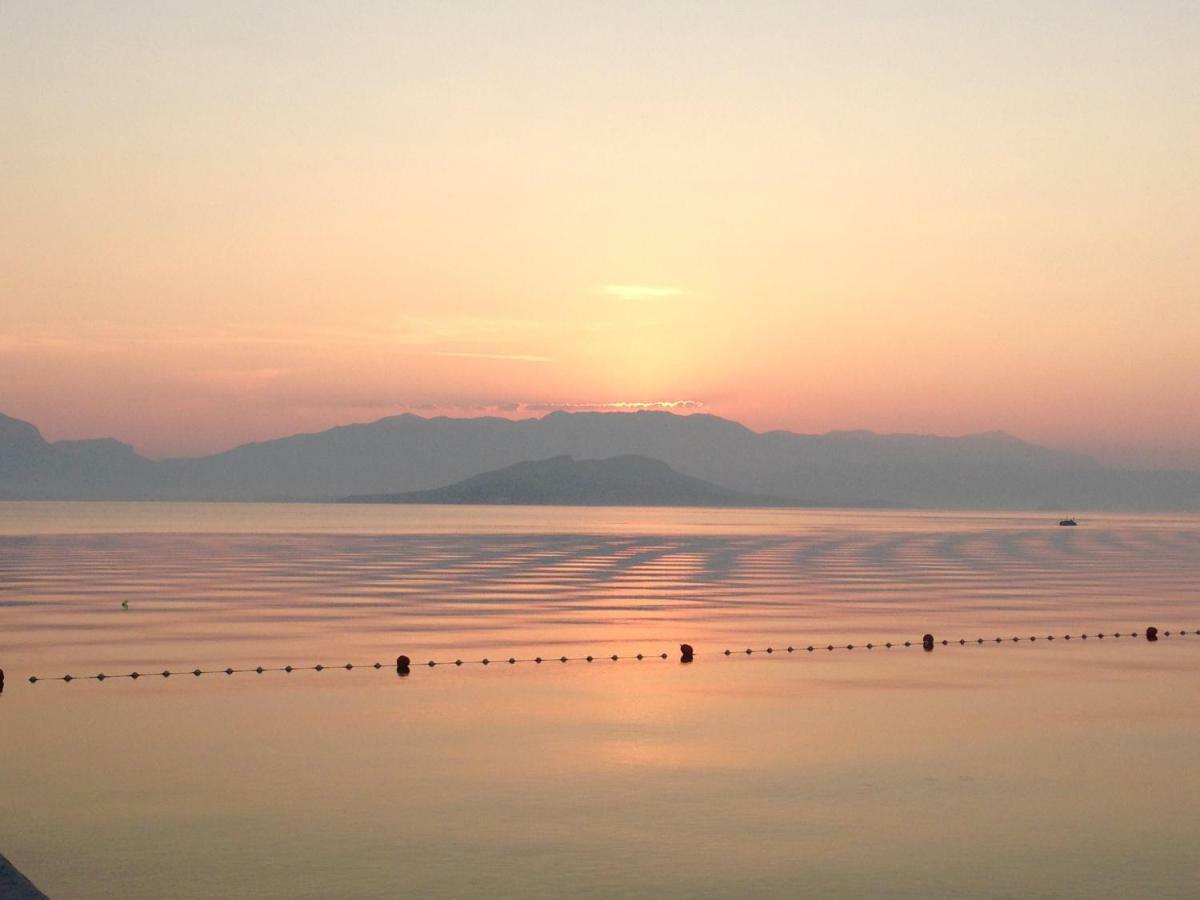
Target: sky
{"points": [[224, 222]]}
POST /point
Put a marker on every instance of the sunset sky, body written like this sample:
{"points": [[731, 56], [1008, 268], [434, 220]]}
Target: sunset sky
{"points": [[223, 222]]}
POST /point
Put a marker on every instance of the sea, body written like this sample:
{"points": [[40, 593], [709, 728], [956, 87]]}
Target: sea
{"points": [[814, 746]]}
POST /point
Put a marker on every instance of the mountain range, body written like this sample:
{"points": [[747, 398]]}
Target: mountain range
{"points": [[406, 453]]}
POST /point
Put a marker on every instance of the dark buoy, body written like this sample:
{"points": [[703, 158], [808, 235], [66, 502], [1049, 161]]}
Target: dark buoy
{"points": [[402, 664], [685, 653], [1, 681], [927, 642], [1152, 633]]}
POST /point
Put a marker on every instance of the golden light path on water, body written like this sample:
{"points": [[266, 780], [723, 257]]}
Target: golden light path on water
{"points": [[1029, 769]]}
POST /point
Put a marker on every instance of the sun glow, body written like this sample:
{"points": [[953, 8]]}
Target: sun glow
{"points": [[798, 219]]}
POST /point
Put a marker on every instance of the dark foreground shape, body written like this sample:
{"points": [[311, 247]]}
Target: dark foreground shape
{"points": [[15, 886], [1152, 633], [402, 663], [1, 681], [685, 653], [927, 642]]}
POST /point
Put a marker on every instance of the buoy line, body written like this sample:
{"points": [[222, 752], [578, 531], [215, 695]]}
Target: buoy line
{"points": [[687, 654]]}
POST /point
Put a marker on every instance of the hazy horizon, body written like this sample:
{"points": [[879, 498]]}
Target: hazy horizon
{"points": [[527, 415], [532, 415], [225, 223], [402, 454]]}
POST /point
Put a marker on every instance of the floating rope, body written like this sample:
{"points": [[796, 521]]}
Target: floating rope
{"points": [[687, 655], [402, 667], [928, 642]]}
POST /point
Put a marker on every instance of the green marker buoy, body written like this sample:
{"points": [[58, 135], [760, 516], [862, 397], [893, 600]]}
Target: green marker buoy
{"points": [[125, 604]]}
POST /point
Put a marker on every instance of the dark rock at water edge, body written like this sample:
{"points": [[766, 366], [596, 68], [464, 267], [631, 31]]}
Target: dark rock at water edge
{"points": [[14, 885]]}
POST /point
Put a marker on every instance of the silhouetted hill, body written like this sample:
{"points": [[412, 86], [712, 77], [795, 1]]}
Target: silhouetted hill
{"points": [[406, 453], [619, 481], [19, 439], [33, 468]]}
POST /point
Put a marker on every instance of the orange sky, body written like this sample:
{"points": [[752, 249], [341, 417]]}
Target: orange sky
{"points": [[222, 224]]}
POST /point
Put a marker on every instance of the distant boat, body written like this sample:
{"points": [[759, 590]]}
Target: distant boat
{"points": [[1068, 522]]}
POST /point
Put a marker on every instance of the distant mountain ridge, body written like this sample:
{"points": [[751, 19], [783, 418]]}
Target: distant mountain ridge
{"points": [[409, 453], [628, 480]]}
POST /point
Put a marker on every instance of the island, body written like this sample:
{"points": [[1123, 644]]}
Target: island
{"points": [[629, 480]]}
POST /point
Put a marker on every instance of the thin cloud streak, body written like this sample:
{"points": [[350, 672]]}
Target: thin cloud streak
{"points": [[512, 357], [616, 405]]}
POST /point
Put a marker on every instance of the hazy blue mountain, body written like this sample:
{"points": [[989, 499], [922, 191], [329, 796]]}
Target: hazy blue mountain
{"points": [[629, 480], [33, 468], [410, 453]]}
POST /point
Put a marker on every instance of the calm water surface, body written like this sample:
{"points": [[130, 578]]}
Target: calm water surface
{"points": [[1031, 769]]}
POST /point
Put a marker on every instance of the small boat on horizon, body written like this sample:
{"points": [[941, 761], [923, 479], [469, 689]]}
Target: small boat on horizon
{"points": [[1068, 522]]}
